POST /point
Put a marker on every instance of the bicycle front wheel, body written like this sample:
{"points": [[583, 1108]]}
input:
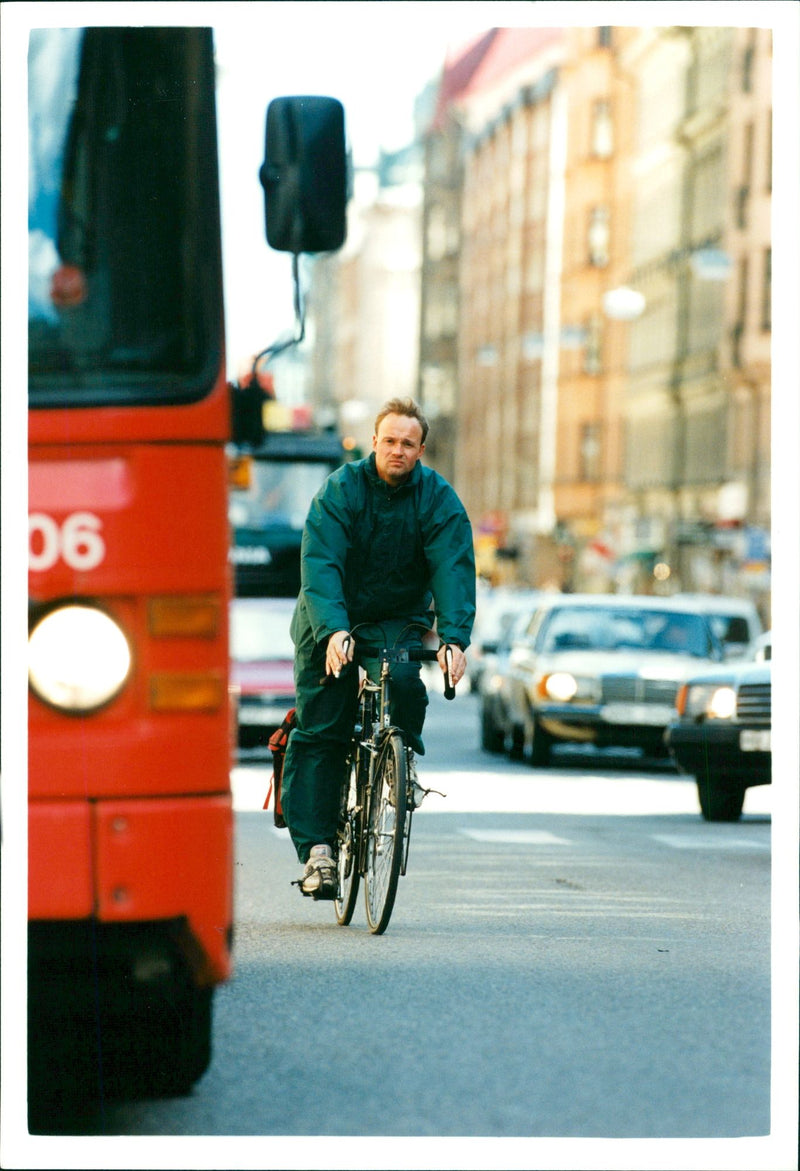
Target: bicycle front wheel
{"points": [[387, 818], [347, 863]]}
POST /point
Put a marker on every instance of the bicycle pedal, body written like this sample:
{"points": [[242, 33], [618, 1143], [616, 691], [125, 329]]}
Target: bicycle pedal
{"points": [[325, 894]]}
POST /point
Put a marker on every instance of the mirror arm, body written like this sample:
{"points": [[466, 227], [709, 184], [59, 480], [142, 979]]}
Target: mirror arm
{"points": [[299, 317]]}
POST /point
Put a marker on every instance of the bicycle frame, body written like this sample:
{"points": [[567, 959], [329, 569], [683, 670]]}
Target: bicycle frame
{"points": [[377, 798]]}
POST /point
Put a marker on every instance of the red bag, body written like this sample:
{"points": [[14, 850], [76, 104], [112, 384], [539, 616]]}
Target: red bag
{"points": [[277, 743]]}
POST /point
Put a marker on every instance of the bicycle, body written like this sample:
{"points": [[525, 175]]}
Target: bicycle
{"points": [[377, 798]]}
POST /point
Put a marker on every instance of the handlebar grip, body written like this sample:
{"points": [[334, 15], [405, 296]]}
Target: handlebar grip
{"points": [[418, 654], [449, 685]]}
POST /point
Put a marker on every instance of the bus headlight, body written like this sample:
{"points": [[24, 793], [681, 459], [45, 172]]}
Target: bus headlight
{"points": [[78, 658]]}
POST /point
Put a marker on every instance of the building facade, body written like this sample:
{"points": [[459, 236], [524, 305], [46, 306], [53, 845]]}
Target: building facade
{"points": [[585, 314]]}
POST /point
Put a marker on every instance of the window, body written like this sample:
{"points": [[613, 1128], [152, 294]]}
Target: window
{"points": [[743, 193], [744, 274], [599, 236], [590, 450], [766, 291], [592, 354], [602, 130], [123, 289], [748, 60], [437, 233], [604, 36]]}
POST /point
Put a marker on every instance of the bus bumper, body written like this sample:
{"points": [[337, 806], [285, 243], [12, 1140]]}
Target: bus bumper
{"points": [[141, 861]]}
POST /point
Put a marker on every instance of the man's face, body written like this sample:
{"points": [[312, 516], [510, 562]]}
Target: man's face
{"points": [[397, 446]]}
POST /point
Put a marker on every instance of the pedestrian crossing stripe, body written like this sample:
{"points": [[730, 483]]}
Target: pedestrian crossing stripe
{"points": [[521, 837], [716, 841], [537, 837]]}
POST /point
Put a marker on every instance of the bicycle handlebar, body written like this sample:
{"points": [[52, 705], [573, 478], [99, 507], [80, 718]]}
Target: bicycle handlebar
{"points": [[416, 654], [424, 655]]}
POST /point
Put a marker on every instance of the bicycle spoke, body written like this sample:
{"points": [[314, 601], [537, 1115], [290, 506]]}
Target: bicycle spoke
{"points": [[385, 834], [347, 863]]}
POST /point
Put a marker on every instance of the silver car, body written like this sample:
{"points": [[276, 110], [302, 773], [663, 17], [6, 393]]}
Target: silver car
{"points": [[603, 670]]}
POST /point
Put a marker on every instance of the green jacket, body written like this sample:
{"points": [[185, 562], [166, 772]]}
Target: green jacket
{"points": [[371, 552]]}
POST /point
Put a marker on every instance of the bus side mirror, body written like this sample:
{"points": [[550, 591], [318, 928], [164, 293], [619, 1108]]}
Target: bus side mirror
{"points": [[304, 175]]}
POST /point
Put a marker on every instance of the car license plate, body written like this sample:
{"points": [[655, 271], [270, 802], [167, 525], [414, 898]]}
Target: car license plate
{"points": [[654, 714], [755, 740]]}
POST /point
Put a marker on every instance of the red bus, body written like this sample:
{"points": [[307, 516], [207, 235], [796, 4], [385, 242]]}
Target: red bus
{"points": [[130, 846]]}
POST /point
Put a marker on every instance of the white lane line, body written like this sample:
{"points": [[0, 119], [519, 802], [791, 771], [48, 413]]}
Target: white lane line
{"points": [[710, 842], [519, 837]]}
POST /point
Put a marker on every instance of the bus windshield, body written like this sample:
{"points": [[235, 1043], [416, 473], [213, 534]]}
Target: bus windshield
{"points": [[124, 256]]}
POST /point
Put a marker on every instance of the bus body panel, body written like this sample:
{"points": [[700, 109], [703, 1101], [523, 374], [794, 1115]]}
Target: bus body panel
{"points": [[168, 858], [208, 419], [60, 875], [159, 519], [184, 753]]}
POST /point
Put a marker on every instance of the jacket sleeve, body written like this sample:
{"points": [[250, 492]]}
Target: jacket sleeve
{"points": [[326, 538], [447, 540]]}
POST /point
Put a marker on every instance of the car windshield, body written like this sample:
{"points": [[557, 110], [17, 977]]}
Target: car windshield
{"points": [[123, 303], [612, 629], [260, 632]]}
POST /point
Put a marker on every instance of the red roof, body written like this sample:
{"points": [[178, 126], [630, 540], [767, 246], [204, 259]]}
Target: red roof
{"points": [[487, 60], [510, 48], [459, 68]]}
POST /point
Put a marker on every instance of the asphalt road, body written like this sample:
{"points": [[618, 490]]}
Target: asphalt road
{"points": [[574, 954]]}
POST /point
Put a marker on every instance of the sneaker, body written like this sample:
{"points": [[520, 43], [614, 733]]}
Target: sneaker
{"points": [[416, 793], [319, 879]]}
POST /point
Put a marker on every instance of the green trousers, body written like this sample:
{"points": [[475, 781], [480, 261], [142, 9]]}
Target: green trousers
{"points": [[316, 758]]}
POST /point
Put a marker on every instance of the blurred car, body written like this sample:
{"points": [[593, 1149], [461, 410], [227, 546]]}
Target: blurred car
{"points": [[722, 734], [761, 648], [603, 670], [495, 611], [262, 669], [735, 621], [494, 698]]}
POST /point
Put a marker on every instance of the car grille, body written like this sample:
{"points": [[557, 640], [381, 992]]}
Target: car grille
{"points": [[632, 689], [754, 703]]}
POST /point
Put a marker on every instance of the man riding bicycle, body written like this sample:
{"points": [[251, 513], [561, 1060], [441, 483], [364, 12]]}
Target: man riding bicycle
{"points": [[387, 545]]}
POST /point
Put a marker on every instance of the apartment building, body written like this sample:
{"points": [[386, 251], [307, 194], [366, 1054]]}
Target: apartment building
{"points": [[592, 365], [696, 413], [507, 324]]}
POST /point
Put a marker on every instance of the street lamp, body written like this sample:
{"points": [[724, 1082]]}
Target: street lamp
{"points": [[623, 304]]}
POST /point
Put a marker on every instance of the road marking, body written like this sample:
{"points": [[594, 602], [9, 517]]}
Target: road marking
{"points": [[519, 837], [709, 842]]}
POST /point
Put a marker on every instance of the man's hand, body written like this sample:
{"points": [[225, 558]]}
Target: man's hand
{"points": [[339, 652], [458, 661]]}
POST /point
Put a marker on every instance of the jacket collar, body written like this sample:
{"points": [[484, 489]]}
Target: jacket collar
{"points": [[377, 482]]}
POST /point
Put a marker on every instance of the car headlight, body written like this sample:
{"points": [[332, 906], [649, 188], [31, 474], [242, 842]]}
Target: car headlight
{"points": [[713, 700], [78, 658], [563, 687]]}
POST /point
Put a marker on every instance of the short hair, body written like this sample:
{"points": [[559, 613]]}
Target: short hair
{"points": [[402, 406]]}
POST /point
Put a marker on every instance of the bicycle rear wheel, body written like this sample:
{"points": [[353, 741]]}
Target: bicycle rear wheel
{"points": [[385, 832], [347, 862]]}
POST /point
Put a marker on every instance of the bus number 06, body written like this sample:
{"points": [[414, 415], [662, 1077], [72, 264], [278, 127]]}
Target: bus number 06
{"points": [[77, 541]]}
